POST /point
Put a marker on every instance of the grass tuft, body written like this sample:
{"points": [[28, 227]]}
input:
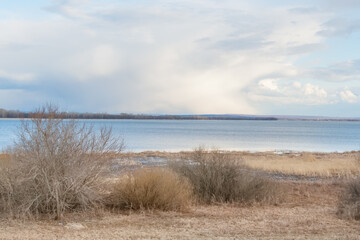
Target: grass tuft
{"points": [[151, 189], [349, 206]]}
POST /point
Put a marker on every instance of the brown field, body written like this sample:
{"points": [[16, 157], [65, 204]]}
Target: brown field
{"points": [[308, 164], [307, 212], [303, 163]]}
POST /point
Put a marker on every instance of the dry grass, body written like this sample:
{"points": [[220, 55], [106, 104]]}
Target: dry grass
{"points": [[149, 189], [308, 213], [303, 163], [308, 164], [349, 206], [217, 177]]}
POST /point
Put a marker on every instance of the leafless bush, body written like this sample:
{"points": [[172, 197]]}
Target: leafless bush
{"points": [[349, 206], [217, 177], [55, 165], [151, 188]]}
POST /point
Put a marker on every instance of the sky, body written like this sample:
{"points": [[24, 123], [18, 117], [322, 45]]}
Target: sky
{"points": [[182, 57]]}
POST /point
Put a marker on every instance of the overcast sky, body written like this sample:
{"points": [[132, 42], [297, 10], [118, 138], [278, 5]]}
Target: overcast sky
{"points": [[182, 57]]}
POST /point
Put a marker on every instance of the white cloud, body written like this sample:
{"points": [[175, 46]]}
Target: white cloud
{"points": [[269, 84], [297, 84], [285, 92], [18, 77], [310, 89], [175, 57], [101, 61], [348, 96]]}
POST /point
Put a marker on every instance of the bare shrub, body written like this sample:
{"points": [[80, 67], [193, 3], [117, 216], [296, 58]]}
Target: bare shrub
{"points": [[149, 189], [56, 165], [5, 160], [349, 204], [217, 177]]}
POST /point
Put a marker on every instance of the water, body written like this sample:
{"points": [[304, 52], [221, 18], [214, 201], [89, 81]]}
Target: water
{"points": [[173, 135]]}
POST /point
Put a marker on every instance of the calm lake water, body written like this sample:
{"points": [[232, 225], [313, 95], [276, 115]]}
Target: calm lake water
{"points": [[176, 135]]}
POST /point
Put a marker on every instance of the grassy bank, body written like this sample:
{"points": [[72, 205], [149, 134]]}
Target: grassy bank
{"points": [[298, 163], [55, 184], [309, 211]]}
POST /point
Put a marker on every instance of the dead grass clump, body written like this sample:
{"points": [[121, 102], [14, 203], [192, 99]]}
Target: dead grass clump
{"points": [[349, 206], [308, 157], [150, 189], [216, 177], [56, 165]]}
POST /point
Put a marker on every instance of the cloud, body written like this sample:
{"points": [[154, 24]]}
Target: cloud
{"points": [[245, 43], [284, 92], [305, 48], [343, 4], [171, 57], [297, 85], [348, 96], [340, 27], [269, 84], [100, 61], [303, 10], [18, 77], [338, 72], [70, 8], [310, 89]]}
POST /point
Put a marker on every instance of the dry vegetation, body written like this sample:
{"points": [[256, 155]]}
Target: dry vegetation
{"points": [[309, 212], [150, 189], [218, 177], [55, 166], [297, 163], [307, 164], [5, 160], [349, 205]]}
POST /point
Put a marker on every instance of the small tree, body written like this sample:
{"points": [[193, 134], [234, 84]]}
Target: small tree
{"points": [[56, 165]]}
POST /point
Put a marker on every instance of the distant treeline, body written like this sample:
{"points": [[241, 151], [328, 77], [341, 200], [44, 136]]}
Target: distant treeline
{"points": [[17, 114], [13, 114]]}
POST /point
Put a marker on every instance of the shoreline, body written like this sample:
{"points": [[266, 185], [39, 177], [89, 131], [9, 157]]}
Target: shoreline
{"points": [[286, 165], [213, 119], [234, 151]]}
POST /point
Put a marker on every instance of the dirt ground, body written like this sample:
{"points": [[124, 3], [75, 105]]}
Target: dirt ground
{"points": [[308, 211]]}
